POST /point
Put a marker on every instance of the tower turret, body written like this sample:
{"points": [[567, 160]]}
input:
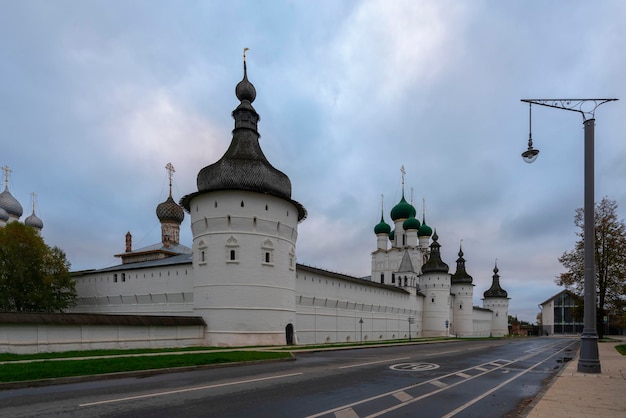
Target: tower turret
{"points": [[435, 284], [496, 299], [170, 215], [33, 220], [462, 291], [243, 220]]}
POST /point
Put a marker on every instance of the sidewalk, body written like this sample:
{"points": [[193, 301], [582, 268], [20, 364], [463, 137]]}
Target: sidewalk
{"points": [[591, 395]]}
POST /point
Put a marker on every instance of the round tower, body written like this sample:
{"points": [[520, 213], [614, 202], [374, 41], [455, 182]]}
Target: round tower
{"points": [[435, 285], [496, 299], [462, 306], [244, 226]]}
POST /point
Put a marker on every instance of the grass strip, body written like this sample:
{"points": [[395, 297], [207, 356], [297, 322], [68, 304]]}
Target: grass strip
{"points": [[97, 353], [56, 369], [621, 349]]}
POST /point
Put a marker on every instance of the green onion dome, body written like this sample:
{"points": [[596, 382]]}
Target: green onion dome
{"points": [[392, 235], [425, 230], [382, 227], [403, 210], [411, 224]]}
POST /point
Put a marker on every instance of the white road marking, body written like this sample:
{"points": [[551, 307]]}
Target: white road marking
{"points": [[172, 392], [402, 396], [373, 362], [346, 413], [439, 384], [442, 352], [489, 392], [463, 375]]}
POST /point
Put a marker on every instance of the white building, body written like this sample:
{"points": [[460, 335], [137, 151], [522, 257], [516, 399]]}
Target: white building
{"points": [[241, 277]]}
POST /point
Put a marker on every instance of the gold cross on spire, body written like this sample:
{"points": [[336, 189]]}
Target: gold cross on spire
{"points": [[244, 54]]}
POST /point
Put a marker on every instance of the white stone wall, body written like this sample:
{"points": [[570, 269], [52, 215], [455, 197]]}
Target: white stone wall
{"points": [[329, 309], [38, 338], [244, 266], [482, 319], [165, 290], [500, 316]]}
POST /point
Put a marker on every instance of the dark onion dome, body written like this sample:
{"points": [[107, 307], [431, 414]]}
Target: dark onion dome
{"points": [[382, 227], [33, 221], [170, 211], [4, 216], [434, 263], [10, 204], [411, 223], [392, 235], [403, 210], [495, 291], [461, 276], [244, 166], [425, 230]]}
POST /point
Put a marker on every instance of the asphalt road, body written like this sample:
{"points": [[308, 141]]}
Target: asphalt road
{"points": [[494, 378]]}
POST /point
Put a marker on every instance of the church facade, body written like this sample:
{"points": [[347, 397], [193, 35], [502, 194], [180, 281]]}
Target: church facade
{"points": [[240, 274]]}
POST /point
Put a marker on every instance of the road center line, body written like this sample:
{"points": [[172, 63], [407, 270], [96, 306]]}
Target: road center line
{"points": [[172, 392], [373, 362]]}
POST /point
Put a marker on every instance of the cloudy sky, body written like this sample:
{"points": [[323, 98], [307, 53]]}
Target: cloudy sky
{"points": [[96, 97]]}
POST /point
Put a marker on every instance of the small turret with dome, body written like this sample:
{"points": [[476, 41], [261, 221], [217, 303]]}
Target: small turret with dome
{"points": [[8, 202], [435, 264], [244, 166], [382, 227], [496, 291], [170, 214], [33, 220], [461, 276], [412, 223], [403, 210]]}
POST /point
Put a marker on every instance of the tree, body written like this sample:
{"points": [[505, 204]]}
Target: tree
{"points": [[610, 258], [33, 276]]}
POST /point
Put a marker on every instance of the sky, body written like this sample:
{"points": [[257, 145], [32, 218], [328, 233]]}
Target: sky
{"points": [[96, 97]]}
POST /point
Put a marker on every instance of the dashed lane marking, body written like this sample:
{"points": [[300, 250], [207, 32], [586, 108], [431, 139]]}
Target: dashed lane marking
{"points": [[402, 396]]}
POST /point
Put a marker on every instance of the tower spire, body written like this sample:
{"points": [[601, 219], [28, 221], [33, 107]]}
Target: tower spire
{"points": [[7, 171], [403, 171], [33, 196], [170, 172]]}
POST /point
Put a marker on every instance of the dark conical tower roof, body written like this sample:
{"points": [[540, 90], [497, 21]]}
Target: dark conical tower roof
{"points": [[461, 276], [244, 166], [434, 263], [495, 291]]}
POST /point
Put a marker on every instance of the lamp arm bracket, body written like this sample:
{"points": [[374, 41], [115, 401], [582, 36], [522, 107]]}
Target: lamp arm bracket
{"points": [[586, 107]]}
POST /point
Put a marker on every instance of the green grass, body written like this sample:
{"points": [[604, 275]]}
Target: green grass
{"points": [[66, 368], [621, 349], [97, 353]]}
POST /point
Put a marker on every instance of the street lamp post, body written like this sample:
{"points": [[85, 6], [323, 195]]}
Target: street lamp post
{"points": [[588, 361]]}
